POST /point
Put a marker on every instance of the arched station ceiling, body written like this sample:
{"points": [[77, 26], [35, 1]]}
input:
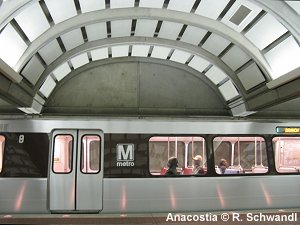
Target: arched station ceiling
{"points": [[150, 57]]}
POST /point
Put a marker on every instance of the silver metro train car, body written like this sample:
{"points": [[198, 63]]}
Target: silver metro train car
{"points": [[119, 165]]}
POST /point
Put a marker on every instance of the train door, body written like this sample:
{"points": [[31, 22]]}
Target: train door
{"points": [[76, 171]]}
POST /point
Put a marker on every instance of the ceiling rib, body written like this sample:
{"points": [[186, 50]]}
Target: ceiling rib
{"points": [[157, 14], [139, 40]]}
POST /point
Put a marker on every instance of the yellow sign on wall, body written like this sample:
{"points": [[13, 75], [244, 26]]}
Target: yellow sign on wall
{"points": [[288, 130]]}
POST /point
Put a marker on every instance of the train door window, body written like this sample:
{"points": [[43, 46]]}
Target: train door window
{"points": [[90, 154], [240, 155], [63, 149], [2, 141], [287, 154], [183, 148]]}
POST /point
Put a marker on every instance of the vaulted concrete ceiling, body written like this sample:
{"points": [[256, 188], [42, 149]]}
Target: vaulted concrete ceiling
{"points": [[150, 57]]}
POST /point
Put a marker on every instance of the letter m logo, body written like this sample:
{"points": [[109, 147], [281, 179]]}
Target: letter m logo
{"points": [[125, 152]]}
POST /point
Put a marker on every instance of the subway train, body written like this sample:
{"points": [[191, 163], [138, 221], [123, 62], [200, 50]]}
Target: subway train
{"points": [[118, 165]]}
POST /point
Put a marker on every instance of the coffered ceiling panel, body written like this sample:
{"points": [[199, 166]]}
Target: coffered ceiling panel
{"points": [[80, 60], [33, 21], [179, 5], [33, 70], [72, 39], [211, 8], [55, 8], [101, 53], [47, 86], [241, 14], [251, 76], [50, 52], [215, 75], [228, 90], [284, 57], [160, 52], [193, 35], [169, 30], [199, 63], [140, 50], [121, 3], [215, 44], [145, 28], [180, 56], [120, 51], [96, 31], [12, 46], [151, 4], [120, 28], [235, 57], [61, 71], [265, 31], [91, 5]]}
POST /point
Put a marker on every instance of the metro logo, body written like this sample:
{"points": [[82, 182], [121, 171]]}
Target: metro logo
{"points": [[125, 155]]}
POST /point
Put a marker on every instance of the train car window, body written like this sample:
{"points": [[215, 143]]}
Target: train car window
{"points": [[287, 154], [189, 151], [195, 147], [62, 157], [240, 155], [2, 141], [90, 154]]}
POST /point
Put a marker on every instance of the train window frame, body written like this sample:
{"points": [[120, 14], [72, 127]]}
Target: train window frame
{"points": [[89, 162], [72, 154], [2, 148], [275, 156], [180, 169], [265, 168]]}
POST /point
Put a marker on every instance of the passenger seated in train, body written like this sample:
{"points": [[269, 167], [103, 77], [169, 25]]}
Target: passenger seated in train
{"points": [[223, 165], [172, 165], [197, 170]]}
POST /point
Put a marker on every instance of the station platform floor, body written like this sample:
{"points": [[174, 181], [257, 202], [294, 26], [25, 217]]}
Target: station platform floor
{"points": [[263, 217]]}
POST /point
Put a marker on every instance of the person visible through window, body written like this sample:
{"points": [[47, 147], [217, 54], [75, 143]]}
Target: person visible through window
{"points": [[223, 165], [172, 164], [197, 165]]}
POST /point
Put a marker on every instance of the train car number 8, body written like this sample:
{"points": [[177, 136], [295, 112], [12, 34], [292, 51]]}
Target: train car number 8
{"points": [[21, 139]]}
